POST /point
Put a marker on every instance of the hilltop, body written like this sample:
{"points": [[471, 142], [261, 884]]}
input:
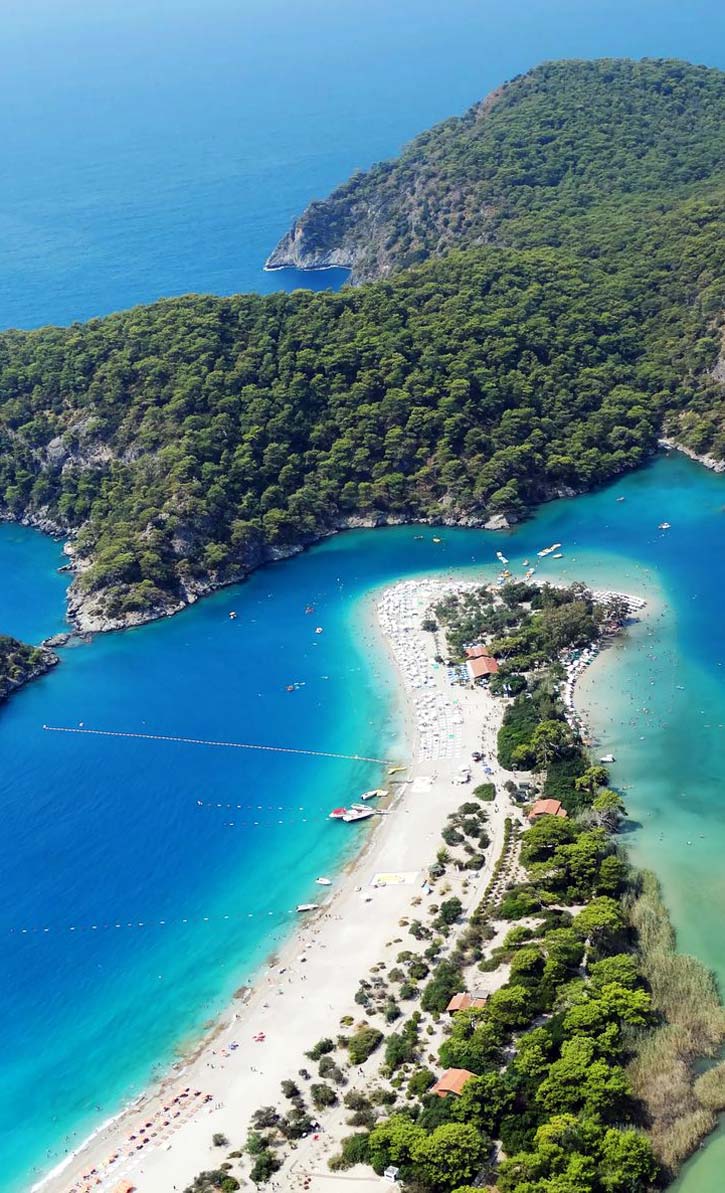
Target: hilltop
{"points": [[549, 158], [563, 305]]}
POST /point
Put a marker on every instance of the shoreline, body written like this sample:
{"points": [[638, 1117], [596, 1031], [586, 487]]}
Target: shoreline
{"points": [[330, 951], [217, 1065]]}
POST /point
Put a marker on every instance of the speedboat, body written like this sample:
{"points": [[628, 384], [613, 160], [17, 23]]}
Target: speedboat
{"points": [[323, 881], [338, 813], [307, 906], [377, 791], [607, 758]]}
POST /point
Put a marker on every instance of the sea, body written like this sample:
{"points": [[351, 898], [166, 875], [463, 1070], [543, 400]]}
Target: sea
{"points": [[162, 147]]}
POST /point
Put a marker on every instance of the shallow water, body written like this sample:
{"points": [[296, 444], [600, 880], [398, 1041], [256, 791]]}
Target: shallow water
{"points": [[110, 831]]}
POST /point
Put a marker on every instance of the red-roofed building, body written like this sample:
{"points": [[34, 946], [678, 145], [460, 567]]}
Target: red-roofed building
{"points": [[465, 1002], [476, 652], [547, 807], [452, 1082], [480, 667]]}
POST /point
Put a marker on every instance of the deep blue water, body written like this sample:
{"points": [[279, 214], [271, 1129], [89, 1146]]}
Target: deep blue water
{"points": [[158, 147]]}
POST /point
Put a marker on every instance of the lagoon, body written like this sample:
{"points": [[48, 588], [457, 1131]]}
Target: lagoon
{"points": [[108, 831]]}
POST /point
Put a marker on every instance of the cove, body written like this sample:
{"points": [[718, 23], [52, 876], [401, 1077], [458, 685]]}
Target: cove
{"points": [[105, 831]]}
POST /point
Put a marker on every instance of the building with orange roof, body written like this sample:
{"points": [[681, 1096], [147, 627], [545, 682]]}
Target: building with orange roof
{"points": [[479, 667], [452, 1082], [477, 652], [465, 1002], [547, 807]]}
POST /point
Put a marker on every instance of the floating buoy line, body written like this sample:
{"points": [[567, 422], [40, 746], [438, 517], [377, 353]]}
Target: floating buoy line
{"points": [[203, 803], [120, 925], [200, 741]]}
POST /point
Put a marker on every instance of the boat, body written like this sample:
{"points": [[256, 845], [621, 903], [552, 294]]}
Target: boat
{"points": [[323, 881], [620, 499], [377, 791], [664, 526], [232, 616], [500, 556], [309, 608], [607, 758], [319, 629], [559, 555], [435, 540], [359, 813], [337, 813], [548, 550], [307, 906], [393, 770]]}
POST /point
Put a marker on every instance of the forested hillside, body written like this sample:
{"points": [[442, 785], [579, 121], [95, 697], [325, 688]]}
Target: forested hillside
{"points": [[555, 157], [184, 443]]}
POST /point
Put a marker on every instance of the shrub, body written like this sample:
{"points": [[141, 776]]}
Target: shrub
{"points": [[322, 1095], [363, 1043], [264, 1166], [219, 1140], [485, 792], [354, 1150], [322, 1047]]}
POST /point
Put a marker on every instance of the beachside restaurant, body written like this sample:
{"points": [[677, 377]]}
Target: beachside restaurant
{"points": [[452, 1082], [547, 807], [481, 667]]}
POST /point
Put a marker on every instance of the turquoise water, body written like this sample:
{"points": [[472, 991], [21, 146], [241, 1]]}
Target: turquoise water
{"points": [[158, 147], [162, 147], [108, 830]]}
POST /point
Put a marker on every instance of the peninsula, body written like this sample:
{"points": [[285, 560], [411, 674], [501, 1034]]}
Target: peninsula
{"points": [[543, 301], [491, 994]]}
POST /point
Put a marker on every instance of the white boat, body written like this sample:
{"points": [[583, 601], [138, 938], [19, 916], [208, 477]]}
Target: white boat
{"points": [[374, 794], [559, 555], [358, 813], [319, 629], [607, 758], [323, 881], [307, 906], [548, 550], [664, 526], [500, 556], [337, 813]]}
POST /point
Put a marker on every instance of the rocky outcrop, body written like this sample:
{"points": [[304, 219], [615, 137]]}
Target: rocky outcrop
{"points": [[708, 461], [19, 664]]}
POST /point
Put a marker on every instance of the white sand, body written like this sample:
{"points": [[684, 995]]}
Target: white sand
{"points": [[302, 1000]]}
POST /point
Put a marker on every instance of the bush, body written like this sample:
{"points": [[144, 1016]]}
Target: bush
{"points": [[264, 1166], [322, 1095], [363, 1043], [420, 1083], [219, 1140], [446, 982], [321, 1048], [485, 792], [355, 1150]]}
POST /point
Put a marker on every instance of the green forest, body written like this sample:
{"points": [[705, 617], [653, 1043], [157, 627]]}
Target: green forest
{"points": [[20, 662], [184, 443]]}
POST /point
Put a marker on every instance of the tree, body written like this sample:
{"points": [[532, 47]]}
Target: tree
{"points": [[393, 1141], [549, 740], [626, 1163], [451, 1155], [600, 921], [608, 809]]}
